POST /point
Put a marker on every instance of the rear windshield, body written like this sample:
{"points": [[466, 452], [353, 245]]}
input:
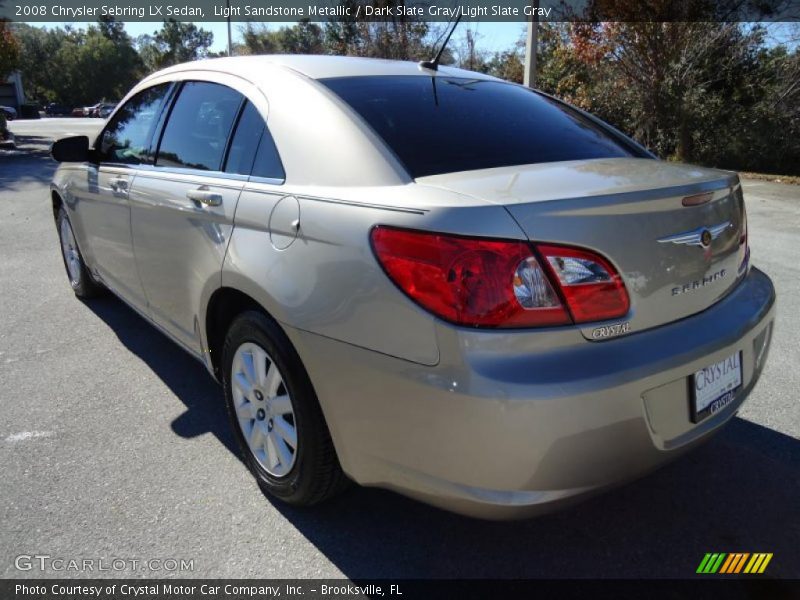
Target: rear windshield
{"points": [[447, 124]]}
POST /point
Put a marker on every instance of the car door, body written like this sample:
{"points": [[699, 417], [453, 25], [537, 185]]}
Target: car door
{"points": [[103, 204], [183, 207]]}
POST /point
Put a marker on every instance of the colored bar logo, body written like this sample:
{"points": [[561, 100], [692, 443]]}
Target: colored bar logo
{"points": [[734, 563]]}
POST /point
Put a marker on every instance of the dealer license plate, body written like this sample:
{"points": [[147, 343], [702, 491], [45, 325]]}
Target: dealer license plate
{"points": [[715, 386]]}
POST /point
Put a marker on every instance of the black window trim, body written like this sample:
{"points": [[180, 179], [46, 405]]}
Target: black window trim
{"points": [[163, 117], [232, 134], [178, 86]]}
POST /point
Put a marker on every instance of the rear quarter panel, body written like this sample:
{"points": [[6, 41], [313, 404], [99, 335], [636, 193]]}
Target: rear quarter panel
{"points": [[327, 281]]}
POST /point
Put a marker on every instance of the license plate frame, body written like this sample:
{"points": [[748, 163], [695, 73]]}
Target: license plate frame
{"points": [[724, 387]]}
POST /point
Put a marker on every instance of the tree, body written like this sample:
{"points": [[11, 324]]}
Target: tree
{"points": [[399, 37], [467, 54], [37, 59], [258, 40], [766, 137], [9, 51], [9, 58], [342, 36], [302, 38], [124, 66], [676, 74], [711, 93], [58, 65], [98, 50], [176, 42], [508, 64]]}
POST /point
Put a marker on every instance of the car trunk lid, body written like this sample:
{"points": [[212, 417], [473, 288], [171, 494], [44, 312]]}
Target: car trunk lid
{"points": [[673, 231]]}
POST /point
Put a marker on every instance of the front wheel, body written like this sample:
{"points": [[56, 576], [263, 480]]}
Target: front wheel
{"points": [[275, 414], [81, 281]]}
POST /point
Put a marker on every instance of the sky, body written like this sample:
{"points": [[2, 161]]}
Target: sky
{"points": [[491, 36]]}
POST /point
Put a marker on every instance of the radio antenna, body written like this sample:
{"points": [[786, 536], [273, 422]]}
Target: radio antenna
{"points": [[433, 65]]}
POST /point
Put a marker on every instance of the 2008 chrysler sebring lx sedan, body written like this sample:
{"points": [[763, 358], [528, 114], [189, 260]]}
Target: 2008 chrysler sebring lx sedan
{"points": [[430, 281]]}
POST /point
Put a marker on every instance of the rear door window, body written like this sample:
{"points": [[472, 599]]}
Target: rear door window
{"points": [[268, 162], [196, 134], [252, 150], [244, 144]]}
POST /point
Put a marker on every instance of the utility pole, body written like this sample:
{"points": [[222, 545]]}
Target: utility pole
{"points": [[531, 45], [230, 45]]}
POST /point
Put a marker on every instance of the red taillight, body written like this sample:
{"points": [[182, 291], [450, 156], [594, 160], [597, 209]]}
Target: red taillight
{"points": [[591, 286], [493, 283]]}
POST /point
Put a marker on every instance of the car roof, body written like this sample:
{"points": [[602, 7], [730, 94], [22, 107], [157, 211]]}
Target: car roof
{"points": [[318, 66], [285, 90]]}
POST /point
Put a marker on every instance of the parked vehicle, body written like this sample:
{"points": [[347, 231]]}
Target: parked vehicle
{"points": [[91, 111], [105, 110], [57, 110], [30, 110], [9, 111], [431, 281]]}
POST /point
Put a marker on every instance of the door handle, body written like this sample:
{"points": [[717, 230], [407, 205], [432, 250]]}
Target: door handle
{"points": [[205, 197], [118, 184]]}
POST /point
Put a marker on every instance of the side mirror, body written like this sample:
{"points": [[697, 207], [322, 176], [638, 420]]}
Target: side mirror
{"points": [[71, 149]]}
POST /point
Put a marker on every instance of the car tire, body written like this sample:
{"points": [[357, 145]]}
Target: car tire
{"points": [[259, 413], [79, 277]]}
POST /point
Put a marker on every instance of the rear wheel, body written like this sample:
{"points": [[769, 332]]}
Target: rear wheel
{"points": [[275, 414], [81, 281]]}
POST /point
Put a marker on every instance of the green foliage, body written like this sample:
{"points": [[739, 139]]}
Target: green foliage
{"points": [[176, 42], [77, 67], [301, 38], [508, 64], [9, 51], [401, 38], [342, 36], [709, 93]]}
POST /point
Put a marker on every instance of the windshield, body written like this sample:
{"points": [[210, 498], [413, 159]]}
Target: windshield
{"points": [[448, 124]]}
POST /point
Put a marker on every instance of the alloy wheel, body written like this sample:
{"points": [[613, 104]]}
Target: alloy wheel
{"points": [[69, 248], [264, 409]]}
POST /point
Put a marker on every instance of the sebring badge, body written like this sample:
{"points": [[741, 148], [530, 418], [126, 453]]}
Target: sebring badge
{"points": [[702, 236], [699, 283]]}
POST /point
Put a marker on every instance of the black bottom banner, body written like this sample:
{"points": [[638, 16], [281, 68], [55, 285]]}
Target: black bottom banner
{"points": [[402, 589]]}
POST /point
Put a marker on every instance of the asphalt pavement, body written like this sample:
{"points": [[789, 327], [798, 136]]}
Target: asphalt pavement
{"points": [[114, 443]]}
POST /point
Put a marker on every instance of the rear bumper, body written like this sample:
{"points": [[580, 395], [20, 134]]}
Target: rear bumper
{"points": [[511, 424]]}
